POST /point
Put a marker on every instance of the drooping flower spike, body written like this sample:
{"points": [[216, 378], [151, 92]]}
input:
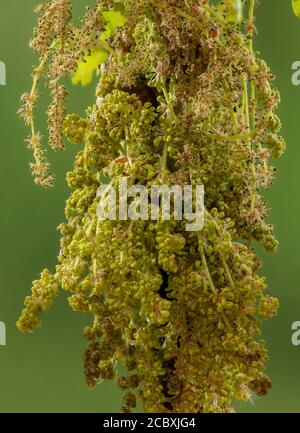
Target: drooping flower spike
{"points": [[182, 99]]}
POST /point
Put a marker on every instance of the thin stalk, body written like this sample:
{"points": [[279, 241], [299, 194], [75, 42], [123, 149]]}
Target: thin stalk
{"points": [[246, 102], [36, 77], [170, 106], [206, 269], [250, 24], [252, 165], [250, 35], [234, 137], [252, 85], [228, 273], [211, 283], [174, 119], [164, 158], [128, 139]]}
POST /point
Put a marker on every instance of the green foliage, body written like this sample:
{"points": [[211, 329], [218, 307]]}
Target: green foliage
{"points": [[86, 68], [296, 7]]}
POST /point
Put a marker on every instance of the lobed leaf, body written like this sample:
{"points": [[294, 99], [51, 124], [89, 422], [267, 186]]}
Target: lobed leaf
{"points": [[296, 7], [87, 67]]}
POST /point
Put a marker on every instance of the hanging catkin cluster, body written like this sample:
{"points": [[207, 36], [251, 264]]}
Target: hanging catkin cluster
{"points": [[182, 99]]}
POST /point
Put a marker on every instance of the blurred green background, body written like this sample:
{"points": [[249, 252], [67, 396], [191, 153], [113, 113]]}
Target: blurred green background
{"points": [[43, 372]]}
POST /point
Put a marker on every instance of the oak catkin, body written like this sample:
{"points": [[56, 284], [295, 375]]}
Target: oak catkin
{"points": [[183, 99]]}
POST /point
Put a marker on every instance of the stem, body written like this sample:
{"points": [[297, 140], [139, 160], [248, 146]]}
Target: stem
{"points": [[94, 267], [252, 165], [204, 262], [225, 266], [234, 137], [245, 101], [36, 77], [128, 139], [250, 24], [174, 119], [250, 35], [253, 110], [211, 283], [170, 106], [252, 85]]}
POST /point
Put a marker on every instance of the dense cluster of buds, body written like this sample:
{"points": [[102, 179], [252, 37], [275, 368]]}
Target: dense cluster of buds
{"points": [[182, 99]]}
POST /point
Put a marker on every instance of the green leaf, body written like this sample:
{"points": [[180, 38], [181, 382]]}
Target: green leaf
{"points": [[85, 69], [296, 7], [114, 19]]}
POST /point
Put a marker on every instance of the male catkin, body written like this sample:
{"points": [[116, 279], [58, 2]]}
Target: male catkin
{"points": [[183, 99]]}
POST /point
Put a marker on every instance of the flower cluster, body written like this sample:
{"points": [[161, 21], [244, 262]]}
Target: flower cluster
{"points": [[182, 99]]}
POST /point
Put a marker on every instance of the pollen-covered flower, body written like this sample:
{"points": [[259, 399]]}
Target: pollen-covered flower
{"points": [[182, 99]]}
